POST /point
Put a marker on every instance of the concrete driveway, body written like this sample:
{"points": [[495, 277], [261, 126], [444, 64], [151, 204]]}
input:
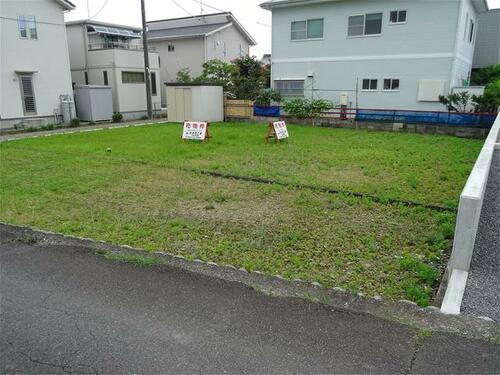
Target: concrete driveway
{"points": [[66, 310]]}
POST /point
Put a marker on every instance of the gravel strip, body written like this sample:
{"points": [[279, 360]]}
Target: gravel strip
{"points": [[482, 294]]}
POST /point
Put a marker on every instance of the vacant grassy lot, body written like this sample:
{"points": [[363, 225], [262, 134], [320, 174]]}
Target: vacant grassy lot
{"points": [[137, 195]]}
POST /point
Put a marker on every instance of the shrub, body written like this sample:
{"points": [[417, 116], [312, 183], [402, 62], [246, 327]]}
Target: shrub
{"points": [[306, 108], [144, 117], [265, 97], [456, 102], [117, 117], [489, 102], [184, 76], [74, 123], [486, 75]]}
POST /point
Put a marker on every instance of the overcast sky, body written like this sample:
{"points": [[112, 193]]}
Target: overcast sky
{"points": [[127, 12]]}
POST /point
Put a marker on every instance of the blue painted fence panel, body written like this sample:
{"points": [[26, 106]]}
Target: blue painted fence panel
{"points": [[272, 111], [438, 118]]}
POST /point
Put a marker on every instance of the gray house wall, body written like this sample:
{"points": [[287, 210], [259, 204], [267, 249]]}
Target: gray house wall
{"points": [[229, 40], [426, 47], [196, 40], [188, 53], [488, 40]]}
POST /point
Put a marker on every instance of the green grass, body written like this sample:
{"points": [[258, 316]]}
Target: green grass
{"points": [[137, 195], [130, 258], [430, 169]]}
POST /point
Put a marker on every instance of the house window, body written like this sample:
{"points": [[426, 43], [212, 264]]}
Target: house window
{"points": [[133, 77], [471, 31], [171, 48], [27, 94], [290, 88], [224, 50], [391, 84], [367, 24], [86, 78], [153, 84], [369, 84], [309, 29], [397, 16], [105, 77], [27, 27]]}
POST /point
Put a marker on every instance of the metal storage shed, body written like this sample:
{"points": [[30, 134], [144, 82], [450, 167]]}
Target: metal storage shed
{"points": [[195, 102], [93, 102]]}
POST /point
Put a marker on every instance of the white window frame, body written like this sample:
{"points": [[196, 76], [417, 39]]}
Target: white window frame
{"points": [[398, 22], [135, 82], [307, 26], [364, 35], [24, 18], [391, 79], [292, 80], [23, 97], [171, 47], [370, 89]]}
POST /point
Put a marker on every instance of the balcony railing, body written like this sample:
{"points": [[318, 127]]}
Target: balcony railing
{"points": [[118, 45]]}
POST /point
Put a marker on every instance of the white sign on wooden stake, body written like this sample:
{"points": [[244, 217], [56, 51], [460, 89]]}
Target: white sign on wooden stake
{"points": [[280, 129], [195, 130]]}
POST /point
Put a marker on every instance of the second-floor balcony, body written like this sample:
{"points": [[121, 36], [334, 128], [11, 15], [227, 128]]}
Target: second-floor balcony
{"points": [[118, 45]]}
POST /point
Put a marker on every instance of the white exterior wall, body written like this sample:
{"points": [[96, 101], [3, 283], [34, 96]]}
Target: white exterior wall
{"points": [[195, 103], [422, 48], [189, 53], [464, 48], [46, 56], [226, 45], [488, 40], [128, 98]]}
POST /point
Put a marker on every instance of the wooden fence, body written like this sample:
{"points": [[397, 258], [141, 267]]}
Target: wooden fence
{"points": [[238, 109]]}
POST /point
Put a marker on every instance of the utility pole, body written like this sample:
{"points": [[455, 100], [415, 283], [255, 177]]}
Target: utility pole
{"points": [[146, 61]]}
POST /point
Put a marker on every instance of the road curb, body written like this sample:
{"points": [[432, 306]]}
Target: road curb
{"points": [[404, 312]]}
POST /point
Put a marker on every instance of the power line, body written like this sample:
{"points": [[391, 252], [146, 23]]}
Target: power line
{"points": [[263, 24], [37, 21], [100, 10], [209, 6], [181, 7]]}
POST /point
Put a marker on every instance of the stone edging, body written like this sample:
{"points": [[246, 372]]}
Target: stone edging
{"points": [[404, 312]]}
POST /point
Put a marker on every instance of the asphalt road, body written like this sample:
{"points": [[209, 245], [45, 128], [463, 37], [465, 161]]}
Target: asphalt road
{"points": [[66, 310], [482, 293]]}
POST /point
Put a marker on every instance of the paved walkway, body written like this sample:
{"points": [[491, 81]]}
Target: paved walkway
{"points": [[66, 310], [85, 128], [482, 293]]}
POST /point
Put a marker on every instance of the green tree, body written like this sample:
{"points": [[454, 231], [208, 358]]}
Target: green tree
{"points": [[217, 71], [184, 76], [489, 102], [486, 75], [248, 78]]}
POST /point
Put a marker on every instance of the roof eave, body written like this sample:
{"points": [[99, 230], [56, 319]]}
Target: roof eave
{"points": [[481, 5], [242, 30], [177, 37], [68, 5], [268, 5]]}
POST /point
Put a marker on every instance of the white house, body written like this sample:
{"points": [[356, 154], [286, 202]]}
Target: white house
{"points": [[34, 62], [380, 54], [112, 55], [488, 40], [189, 42]]}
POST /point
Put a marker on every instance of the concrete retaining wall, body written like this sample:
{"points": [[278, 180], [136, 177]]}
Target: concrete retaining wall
{"points": [[457, 131], [469, 213]]}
